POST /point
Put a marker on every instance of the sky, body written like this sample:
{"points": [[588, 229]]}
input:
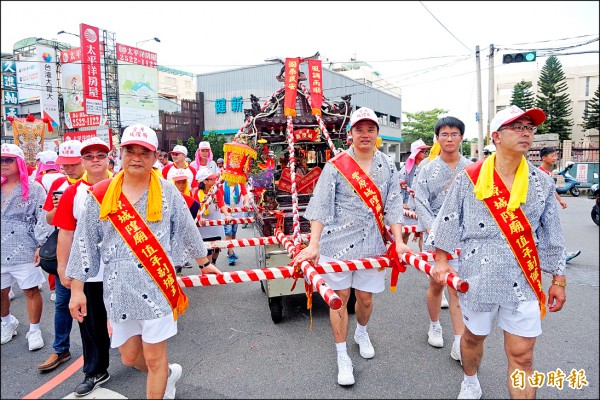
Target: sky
{"points": [[424, 48]]}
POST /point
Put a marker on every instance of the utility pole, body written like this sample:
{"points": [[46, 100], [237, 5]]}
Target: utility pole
{"points": [[491, 93], [479, 105]]}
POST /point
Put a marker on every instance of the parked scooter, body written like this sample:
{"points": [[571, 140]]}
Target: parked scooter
{"points": [[594, 193], [570, 182]]}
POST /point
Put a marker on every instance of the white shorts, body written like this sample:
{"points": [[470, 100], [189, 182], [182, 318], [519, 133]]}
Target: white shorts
{"points": [[26, 275], [367, 280], [152, 330], [524, 320]]}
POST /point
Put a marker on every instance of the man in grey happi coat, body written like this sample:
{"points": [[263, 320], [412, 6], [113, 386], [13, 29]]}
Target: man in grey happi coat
{"points": [[343, 227]]}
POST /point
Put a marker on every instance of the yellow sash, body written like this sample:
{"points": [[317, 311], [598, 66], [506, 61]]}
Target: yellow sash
{"points": [[142, 242], [517, 231]]}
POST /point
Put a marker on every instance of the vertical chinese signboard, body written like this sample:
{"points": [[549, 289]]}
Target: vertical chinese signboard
{"points": [[316, 85], [92, 81], [292, 70], [72, 84], [138, 86], [46, 57]]}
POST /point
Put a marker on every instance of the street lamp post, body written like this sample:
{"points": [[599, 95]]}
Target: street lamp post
{"points": [[67, 33], [147, 40]]}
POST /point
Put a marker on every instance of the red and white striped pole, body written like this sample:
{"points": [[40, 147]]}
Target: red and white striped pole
{"points": [[410, 214], [247, 242], [451, 279], [232, 221]]}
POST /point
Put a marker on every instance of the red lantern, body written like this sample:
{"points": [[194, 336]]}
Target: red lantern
{"points": [[237, 162]]}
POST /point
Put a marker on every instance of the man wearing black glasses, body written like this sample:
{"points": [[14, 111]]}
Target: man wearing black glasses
{"points": [[507, 215]]}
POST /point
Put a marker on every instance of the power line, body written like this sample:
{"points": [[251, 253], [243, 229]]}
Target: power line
{"points": [[454, 36]]}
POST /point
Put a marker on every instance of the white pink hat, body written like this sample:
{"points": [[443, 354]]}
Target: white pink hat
{"points": [[140, 134], [178, 174], [179, 149], [47, 157], [11, 150], [94, 141], [415, 148], [205, 173], [362, 114], [69, 152], [513, 113]]}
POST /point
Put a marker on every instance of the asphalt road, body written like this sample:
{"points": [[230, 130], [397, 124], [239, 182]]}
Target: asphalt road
{"points": [[230, 348]]}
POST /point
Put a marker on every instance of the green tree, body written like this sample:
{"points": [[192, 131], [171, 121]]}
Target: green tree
{"points": [[420, 125], [553, 100], [216, 143], [522, 95], [590, 115], [191, 147]]}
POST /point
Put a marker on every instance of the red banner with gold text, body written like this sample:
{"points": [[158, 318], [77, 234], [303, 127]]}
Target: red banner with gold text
{"points": [[315, 76], [292, 72]]}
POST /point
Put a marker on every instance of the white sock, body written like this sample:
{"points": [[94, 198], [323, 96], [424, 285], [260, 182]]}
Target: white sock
{"points": [[457, 339], [360, 329], [8, 319], [34, 327], [341, 348], [436, 323], [471, 379]]}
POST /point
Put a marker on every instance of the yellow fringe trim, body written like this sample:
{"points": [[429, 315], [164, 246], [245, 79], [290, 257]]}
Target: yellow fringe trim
{"points": [[239, 149], [289, 112], [233, 179], [316, 111]]}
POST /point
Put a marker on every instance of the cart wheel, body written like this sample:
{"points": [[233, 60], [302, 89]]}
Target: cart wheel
{"points": [[351, 301], [276, 306]]}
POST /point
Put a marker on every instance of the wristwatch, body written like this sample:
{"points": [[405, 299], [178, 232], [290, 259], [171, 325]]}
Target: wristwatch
{"points": [[559, 283], [206, 265]]}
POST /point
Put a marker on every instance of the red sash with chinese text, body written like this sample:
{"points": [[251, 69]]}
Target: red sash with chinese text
{"points": [[517, 230], [365, 187], [142, 242]]}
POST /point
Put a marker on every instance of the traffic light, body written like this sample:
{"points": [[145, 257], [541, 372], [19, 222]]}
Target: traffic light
{"points": [[526, 56]]}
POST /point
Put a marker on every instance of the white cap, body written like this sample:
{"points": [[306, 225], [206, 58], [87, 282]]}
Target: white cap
{"points": [[47, 157], [513, 113], [69, 152], [94, 141], [177, 174], [204, 145], [361, 114], [11, 150], [490, 148], [205, 173], [140, 134], [179, 149]]}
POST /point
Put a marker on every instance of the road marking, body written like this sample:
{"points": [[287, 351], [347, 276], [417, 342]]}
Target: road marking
{"points": [[57, 380]]}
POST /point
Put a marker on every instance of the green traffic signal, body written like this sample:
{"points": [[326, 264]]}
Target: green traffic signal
{"points": [[527, 56]]}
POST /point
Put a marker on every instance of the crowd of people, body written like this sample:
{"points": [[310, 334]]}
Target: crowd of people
{"points": [[126, 231]]}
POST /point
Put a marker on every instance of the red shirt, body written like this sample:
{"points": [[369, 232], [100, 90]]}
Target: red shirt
{"points": [[64, 218], [56, 185]]}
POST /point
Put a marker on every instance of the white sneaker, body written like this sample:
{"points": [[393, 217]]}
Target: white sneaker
{"points": [[11, 294], [435, 337], [53, 296], [35, 340], [175, 372], [470, 390], [444, 301], [364, 343], [345, 375], [9, 330], [455, 352]]}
